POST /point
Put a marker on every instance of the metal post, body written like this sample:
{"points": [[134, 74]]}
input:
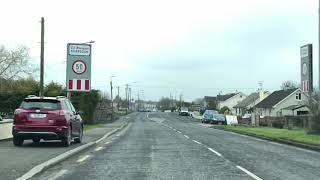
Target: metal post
{"points": [[319, 42], [42, 57]]}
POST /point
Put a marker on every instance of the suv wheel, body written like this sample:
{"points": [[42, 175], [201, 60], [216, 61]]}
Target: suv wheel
{"points": [[36, 140], [17, 141], [66, 141], [79, 138]]}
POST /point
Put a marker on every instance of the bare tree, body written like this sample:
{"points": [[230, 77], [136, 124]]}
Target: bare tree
{"points": [[15, 63], [288, 85]]}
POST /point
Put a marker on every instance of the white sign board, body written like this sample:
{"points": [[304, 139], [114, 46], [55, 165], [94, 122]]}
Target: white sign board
{"points": [[79, 50], [231, 119]]}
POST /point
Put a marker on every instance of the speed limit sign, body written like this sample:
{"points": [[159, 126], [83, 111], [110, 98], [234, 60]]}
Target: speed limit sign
{"points": [[78, 70], [79, 67]]}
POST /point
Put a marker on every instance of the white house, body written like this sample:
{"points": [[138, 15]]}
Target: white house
{"points": [[230, 100], [283, 102], [247, 104]]}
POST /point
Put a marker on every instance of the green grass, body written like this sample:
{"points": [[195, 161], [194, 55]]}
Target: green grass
{"points": [[297, 135], [92, 126]]}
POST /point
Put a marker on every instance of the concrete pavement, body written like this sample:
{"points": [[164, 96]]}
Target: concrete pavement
{"points": [[15, 161]]}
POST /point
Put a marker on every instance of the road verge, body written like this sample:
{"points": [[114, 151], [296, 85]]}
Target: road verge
{"points": [[269, 138]]}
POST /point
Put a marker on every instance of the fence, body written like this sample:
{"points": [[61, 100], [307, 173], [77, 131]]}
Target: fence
{"points": [[289, 122]]}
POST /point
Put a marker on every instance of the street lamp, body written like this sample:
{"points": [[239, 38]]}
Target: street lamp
{"points": [[111, 97]]}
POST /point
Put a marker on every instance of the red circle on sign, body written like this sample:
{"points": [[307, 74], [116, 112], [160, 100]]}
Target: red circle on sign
{"points": [[79, 67]]}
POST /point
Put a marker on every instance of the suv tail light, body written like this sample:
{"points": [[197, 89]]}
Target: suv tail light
{"points": [[62, 113]]}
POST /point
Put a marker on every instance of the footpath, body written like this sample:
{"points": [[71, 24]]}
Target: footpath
{"points": [[16, 161]]}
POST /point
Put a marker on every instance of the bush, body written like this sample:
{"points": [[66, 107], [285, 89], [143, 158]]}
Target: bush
{"points": [[86, 102]]}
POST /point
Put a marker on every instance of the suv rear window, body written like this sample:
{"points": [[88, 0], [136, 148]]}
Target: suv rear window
{"points": [[48, 104]]}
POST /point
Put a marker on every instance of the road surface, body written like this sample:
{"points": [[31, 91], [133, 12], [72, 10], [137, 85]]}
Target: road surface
{"points": [[166, 146]]}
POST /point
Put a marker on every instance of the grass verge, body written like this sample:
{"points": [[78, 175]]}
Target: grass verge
{"points": [[92, 126], [298, 135]]}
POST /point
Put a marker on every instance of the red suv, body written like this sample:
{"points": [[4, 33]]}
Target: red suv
{"points": [[47, 118]]}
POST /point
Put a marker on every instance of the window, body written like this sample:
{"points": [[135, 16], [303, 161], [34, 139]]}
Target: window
{"points": [[298, 96], [47, 104]]}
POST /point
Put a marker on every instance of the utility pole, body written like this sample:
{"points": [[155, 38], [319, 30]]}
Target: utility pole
{"points": [[111, 88], [42, 58], [319, 42], [118, 91], [129, 98]]}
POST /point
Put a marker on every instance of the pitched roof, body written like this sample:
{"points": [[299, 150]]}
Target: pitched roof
{"points": [[209, 98], [219, 97], [248, 100], [275, 98], [225, 97]]}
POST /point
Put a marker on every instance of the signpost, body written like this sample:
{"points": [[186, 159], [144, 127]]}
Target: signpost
{"points": [[78, 67], [306, 68]]}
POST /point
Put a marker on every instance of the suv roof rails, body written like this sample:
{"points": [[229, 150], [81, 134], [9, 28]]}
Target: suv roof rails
{"points": [[58, 97], [30, 96]]}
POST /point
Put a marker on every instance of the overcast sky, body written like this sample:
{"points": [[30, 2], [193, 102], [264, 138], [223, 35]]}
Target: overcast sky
{"points": [[194, 48]]}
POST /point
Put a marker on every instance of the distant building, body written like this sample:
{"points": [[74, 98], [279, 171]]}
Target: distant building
{"points": [[246, 105], [283, 102], [228, 100]]}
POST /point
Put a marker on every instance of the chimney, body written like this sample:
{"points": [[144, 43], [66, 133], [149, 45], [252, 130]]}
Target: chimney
{"points": [[261, 92]]}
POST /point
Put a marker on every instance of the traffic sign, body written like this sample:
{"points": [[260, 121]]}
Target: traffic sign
{"points": [[79, 67], [78, 72]]}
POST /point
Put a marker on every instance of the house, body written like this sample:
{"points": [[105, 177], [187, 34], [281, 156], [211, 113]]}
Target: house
{"points": [[227, 100], [282, 103], [247, 104]]}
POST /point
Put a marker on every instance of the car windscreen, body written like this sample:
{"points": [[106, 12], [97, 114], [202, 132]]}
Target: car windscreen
{"points": [[184, 109], [47, 104]]}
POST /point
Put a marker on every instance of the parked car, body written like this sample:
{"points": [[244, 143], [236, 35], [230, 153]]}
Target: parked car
{"points": [[47, 118], [184, 111], [212, 116]]}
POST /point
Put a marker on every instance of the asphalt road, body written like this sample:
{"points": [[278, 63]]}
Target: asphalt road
{"points": [[16, 161], [166, 146]]}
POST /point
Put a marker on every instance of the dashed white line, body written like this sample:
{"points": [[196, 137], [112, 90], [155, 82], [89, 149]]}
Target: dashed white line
{"points": [[179, 132], [98, 148], [83, 158], [106, 143], [186, 136], [218, 154], [59, 174], [249, 173], [197, 142], [174, 129]]}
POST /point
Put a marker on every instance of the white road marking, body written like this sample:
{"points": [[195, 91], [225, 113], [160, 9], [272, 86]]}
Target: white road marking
{"points": [[59, 174], [83, 158], [197, 142], [106, 143], [98, 148], [186, 136], [179, 132], [218, 154], [174, 129], [249, 173]]}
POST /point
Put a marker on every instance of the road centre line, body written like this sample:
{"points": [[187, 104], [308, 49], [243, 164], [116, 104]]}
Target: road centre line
{"points": [[106, 143], [179, 132], [197, 142], [218, 154], [249, 173], [98, 148], [83, 158], [186, 136], [59, 174]]}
